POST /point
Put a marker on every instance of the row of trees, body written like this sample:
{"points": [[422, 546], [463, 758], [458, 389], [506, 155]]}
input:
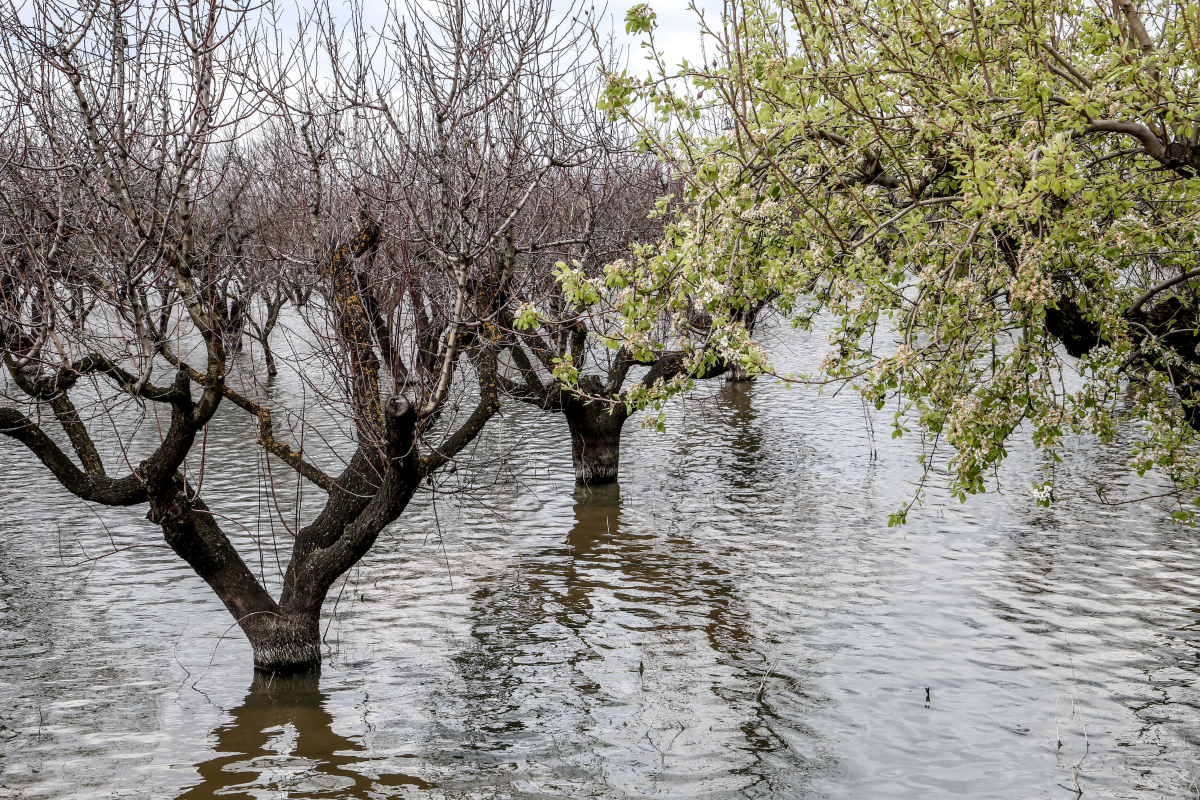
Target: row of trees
{"points": [[178, 176], [995, 202]]}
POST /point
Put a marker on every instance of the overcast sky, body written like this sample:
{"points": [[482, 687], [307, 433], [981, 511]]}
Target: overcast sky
{"points": [[678, 32]]}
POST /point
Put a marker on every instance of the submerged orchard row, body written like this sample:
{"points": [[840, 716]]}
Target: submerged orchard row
{"points": [[476, 203]]}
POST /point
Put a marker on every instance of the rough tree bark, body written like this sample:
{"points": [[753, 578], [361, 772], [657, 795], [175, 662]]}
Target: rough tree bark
{"points": [[595, 434], [596, 408], [286, 637], [737, 374]]}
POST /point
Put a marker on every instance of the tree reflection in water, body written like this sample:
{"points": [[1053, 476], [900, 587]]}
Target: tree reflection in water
{"points": [[281, 739], [638, 628]]}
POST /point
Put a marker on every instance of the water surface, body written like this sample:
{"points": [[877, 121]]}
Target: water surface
{"points": [[735, 619]]}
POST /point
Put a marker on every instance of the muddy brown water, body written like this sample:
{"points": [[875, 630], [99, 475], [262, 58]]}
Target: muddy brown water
{"points": [[735, 619]]}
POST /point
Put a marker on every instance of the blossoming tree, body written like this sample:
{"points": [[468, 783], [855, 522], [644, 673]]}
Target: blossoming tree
{"points": [[995, 200]]}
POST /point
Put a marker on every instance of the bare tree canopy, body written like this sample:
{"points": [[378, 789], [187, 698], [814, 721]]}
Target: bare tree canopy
{"points": [[174, 177]]}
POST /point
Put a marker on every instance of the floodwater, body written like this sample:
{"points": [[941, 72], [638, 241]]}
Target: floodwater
{"points": [[735, 619]]}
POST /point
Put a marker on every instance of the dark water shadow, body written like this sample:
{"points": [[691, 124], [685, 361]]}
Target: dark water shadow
{"points": [[598, 523], [281, 740], [532, 623], [570, 652]]}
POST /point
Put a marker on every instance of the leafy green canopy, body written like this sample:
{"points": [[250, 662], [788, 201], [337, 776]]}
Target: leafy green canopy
{"points": [[996, 202]]}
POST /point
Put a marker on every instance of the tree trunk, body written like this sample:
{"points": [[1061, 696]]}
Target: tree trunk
{"points": [[237, 324], [737, 374], [286, 642], [595, 441], [269, 357]]}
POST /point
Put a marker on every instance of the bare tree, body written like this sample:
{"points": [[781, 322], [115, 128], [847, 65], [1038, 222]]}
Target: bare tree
{"points": [[501, 165], [572, 360], [133, 216], [587, 217]]}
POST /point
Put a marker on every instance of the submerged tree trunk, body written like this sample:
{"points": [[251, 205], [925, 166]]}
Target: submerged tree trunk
{"points": [[263, 332], [237, 324], [269, 357], [595, 440], [737, 374], [285, 642]]}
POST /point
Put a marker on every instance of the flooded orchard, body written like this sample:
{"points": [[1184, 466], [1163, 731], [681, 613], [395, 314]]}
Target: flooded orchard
{"points": [[733, 619]]}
